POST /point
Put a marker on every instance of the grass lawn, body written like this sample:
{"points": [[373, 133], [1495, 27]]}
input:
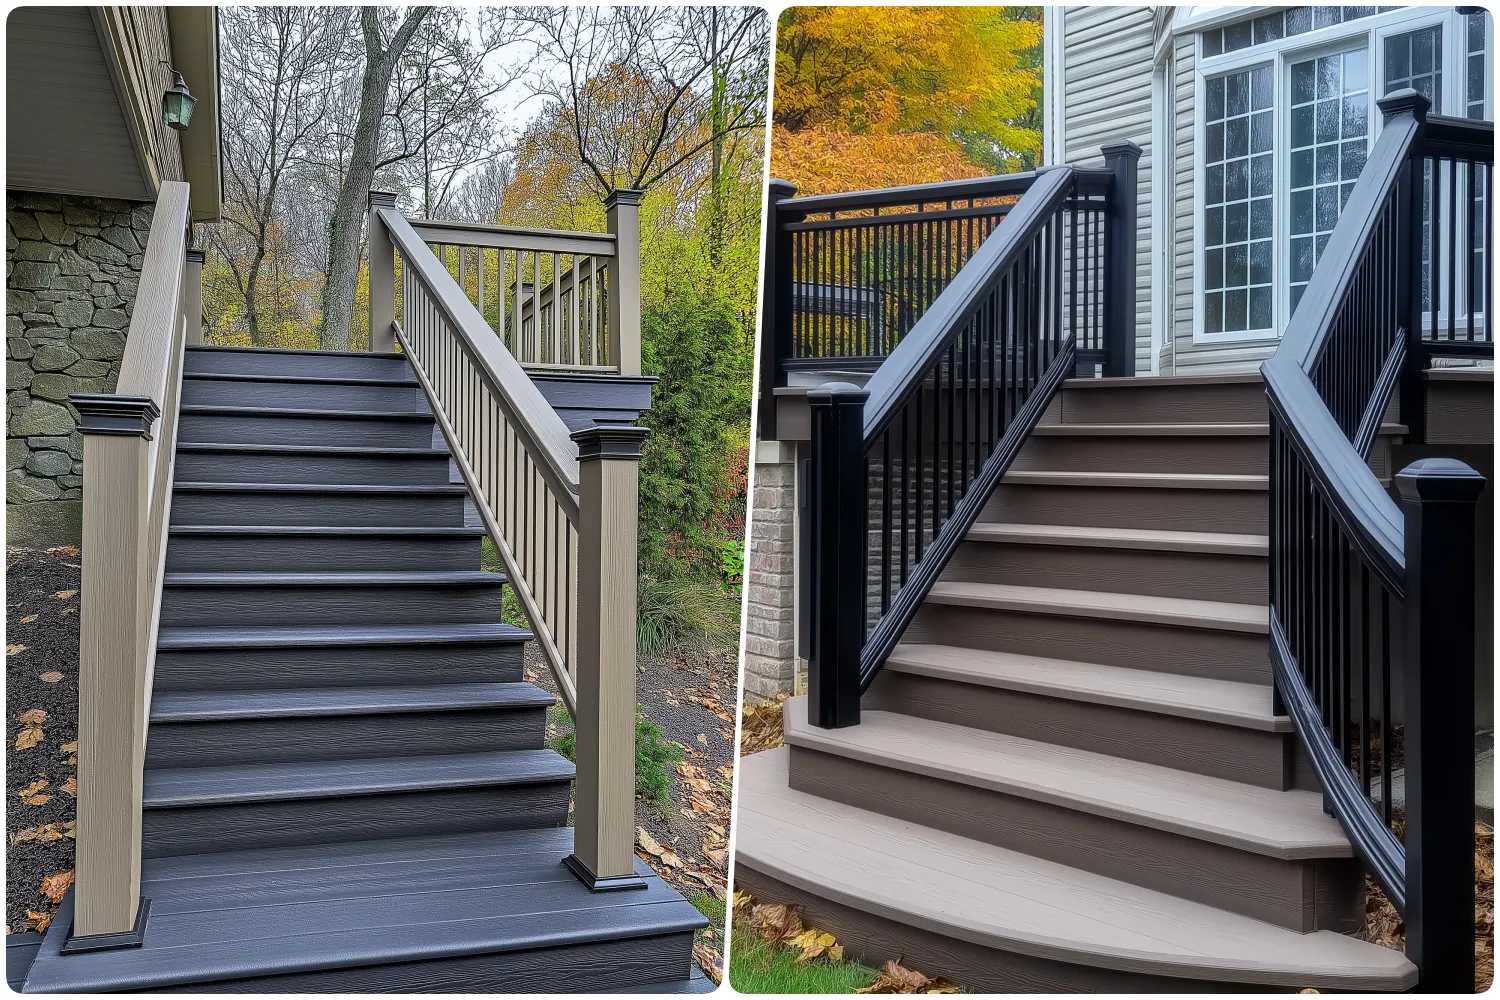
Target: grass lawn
{"points": [[756, 966]]}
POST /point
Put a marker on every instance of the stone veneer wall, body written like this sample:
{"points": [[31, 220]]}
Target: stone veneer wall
{"points": [[770, 622], [72, 269]]}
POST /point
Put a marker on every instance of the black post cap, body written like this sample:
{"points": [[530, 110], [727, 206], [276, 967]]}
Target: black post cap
{"points": [[382, 199], [111, 413], [1439, 480], [1120, 147], [1404, 102], [607, 440], [196, 256], [623, 196], [781, 189]]}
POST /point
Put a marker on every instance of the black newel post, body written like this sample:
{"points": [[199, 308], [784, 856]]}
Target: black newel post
{"points": [[1121, 158], [837, 577], [1438, 496], [1409, 228], [775, 306]]}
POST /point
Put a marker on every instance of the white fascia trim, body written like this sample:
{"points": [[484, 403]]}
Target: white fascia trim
{"points": [[1203, 18]]}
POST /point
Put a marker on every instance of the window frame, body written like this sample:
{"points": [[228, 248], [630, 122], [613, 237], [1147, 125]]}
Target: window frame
{"points": [[1370, 32]]}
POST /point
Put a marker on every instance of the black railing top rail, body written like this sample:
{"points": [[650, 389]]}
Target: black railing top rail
{"points": [[1460, 138], [939, 192], [919, 350], [1363, 507]]}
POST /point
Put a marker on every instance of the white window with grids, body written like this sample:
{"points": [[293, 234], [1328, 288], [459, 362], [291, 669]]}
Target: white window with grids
{"points": [[1286, 118]]}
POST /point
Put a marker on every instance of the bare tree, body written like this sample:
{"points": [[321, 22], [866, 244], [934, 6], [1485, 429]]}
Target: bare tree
{"points": [[643, 90], [382, 51], [281, 64], [480, 195]]}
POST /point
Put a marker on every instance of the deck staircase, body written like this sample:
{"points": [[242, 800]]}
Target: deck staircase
{"points": [[1070, 774], [346, 787]]}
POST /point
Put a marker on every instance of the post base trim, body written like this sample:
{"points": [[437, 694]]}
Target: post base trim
{"points": [[135, 937], [597, 883]]}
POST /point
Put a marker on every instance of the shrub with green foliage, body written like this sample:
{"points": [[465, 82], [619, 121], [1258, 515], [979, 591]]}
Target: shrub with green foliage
{"points": [[682, 612], [655, 755]]}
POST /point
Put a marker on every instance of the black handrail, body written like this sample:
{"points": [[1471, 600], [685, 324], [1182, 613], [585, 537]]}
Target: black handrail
{"points": [[902, 468], [1372, 608]]}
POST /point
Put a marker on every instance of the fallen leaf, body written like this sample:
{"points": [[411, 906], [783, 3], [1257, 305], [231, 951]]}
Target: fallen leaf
{"points": [[45, 834], [836, 953], [55, 887], [28, 619], [32, 789], [63, 550], [63, 595], [13, 648], [71, 787], [28, 738], [671, 858], [69, 747], [776, 922], [896, 978], [648, 842], [33, 716], [703, 739], [70, 611], [51, 677], [814, 944], [709, 961], [39, 921]]}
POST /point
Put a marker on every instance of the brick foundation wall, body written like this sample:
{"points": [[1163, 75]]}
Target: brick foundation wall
{"points": [[770, 622]]}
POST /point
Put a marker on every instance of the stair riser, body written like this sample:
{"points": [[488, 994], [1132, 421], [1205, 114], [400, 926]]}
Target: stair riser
{"points": [[1300, 895], [204, 829], [359, 432], [291, 553], [1252, 756], [337, 510], [305, 395], [248, 668], [1225, 403], [1238, 511], [1189, 575], [596, 966], [1233, 454], [1199, 652], [321, 470], [204, 607], [310, 738], [301, 365]]}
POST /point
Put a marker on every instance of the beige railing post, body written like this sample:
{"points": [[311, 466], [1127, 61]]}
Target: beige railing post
{"points": [[382, 276], [192, 296], [609, 458], [622, 214], [113, 633]]}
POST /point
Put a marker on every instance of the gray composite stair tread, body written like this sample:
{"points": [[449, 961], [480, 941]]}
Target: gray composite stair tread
{"points": [[221, 349], [377, 578], [179, 787], [1152, 430], [340, 635], [440, 489], [1087, 536], [213, 376], [311, 531], [303, 909], [1157, 381], [204, 706], [1137, 480], [1221, 615], [311, 449], [1208, 699], [236, 410], [1288, 825], [997, 898]]}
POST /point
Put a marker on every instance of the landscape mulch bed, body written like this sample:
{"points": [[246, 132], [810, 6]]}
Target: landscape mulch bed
{"points": [[41, 730]]}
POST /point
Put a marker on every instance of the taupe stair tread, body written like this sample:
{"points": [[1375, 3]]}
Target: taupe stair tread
{"points": [[996, 898], [1139, 480], [1158, 381], [1101, 604], [1221, 543], [1288, 825], [1230, 703]]}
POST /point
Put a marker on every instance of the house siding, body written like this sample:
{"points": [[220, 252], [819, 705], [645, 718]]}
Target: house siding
{"points": [[1107, 96]]}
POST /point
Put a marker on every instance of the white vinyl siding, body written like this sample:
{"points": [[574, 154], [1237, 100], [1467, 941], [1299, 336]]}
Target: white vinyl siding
{"points": [[1107, 96]]}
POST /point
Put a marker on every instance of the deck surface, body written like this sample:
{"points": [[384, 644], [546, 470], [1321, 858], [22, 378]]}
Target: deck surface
{"points": [[301, 910]]}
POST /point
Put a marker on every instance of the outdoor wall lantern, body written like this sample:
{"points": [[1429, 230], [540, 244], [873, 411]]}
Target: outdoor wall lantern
{"points": [[177, 103]]}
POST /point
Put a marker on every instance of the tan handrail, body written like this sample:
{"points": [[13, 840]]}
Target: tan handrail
{"points": [[128, 459], [560, 509]]}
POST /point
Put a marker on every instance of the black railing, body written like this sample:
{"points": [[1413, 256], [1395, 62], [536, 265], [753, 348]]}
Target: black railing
{"points": [[849, 276], [901, 468], [1372, 604]]}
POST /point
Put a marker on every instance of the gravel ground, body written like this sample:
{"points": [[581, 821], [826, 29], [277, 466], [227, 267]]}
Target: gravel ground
{"points": [[46, 626]]}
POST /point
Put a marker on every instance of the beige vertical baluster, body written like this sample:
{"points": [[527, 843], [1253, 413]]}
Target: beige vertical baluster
{"points": [[382, 276], [622, 214], [609, 484], [192, 296]]}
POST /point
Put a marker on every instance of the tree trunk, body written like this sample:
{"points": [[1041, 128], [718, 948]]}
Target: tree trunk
{"points": [[348, 213]]}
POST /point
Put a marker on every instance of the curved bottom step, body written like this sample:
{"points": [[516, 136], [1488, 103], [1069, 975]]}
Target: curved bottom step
{"points": [[482, 913], [997, 920]]}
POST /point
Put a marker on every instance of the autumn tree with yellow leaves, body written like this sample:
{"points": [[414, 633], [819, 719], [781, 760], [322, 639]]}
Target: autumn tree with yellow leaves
{"points": [[869, 97]]}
